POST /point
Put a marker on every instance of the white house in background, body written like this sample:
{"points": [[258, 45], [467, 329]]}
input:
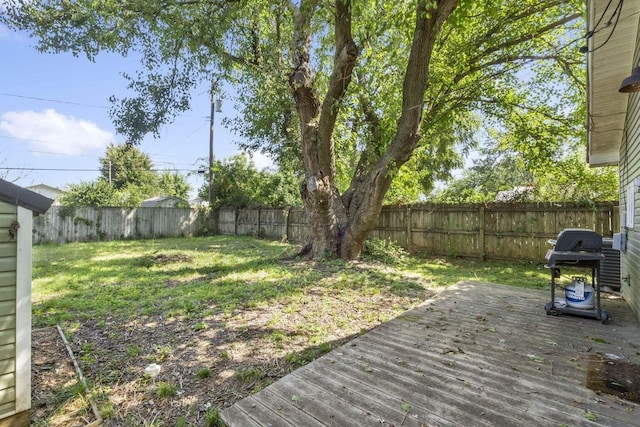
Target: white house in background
{"points": [[17, 208], [613, 133], [47, 191]]}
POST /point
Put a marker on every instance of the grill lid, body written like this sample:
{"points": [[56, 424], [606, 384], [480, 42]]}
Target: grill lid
{"points": [[578, 240]]}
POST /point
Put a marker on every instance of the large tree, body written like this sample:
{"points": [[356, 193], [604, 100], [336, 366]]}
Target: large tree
{"points": [[345, 89]]}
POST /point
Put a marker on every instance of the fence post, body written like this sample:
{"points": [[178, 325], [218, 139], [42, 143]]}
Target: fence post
{"points": [[409, 237], [286, 224], [235, 222], [481, 232], [258, 228]]}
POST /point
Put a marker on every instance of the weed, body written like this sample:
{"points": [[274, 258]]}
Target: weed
{"points": [[278, 337], [213, 419], [133, 350], [199, 326], [163, 352], [203, 373], [107, 411], [86, 347], [166, 389], [248, 375], [224, 354]]}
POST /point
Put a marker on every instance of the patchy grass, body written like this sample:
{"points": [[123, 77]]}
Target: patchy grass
{"points": [[229, 304]]}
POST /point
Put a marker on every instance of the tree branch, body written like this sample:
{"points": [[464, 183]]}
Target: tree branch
{"points": [[346, 53]]}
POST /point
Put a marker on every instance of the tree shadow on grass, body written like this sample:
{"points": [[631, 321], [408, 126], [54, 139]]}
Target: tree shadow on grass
{"points": [[177, 279]]}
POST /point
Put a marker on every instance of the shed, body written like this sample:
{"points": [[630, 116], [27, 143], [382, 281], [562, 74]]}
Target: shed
{"points": [[17, 208]]}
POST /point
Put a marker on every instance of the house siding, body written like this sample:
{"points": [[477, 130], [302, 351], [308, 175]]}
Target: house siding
{"points": [[629, 169], [8, 303]]}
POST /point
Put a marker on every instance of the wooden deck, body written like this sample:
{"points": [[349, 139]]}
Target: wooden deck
{"points": [[477, 355]]}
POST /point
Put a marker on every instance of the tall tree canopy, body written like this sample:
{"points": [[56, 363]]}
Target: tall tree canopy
{"points": [[124, 165], [351, 91]]}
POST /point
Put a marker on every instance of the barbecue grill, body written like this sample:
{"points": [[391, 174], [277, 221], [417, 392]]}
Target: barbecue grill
{"points": [[576, 247]]}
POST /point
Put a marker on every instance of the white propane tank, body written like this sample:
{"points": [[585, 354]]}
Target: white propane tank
{"points": [[578, 294]]}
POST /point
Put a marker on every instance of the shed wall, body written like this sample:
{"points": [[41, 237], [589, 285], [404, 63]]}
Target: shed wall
{"points": [[8, 282]]}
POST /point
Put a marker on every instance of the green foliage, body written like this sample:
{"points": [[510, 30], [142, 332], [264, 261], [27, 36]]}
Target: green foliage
{"points": [[238, 183], [126, 166], [384, 251], [573, 180], [127, 179], [173, 184], [508, 62], [566, 179], [95, 193]]}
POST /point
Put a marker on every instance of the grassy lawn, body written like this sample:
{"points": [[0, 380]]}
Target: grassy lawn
{"points": [[223, 316]]}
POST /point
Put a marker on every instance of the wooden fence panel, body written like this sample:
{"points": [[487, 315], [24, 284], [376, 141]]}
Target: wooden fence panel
{"points": [[392, 225], [298, 229], [273, 223], [248, 222], [226, 221], [491, 231], [63, 225]]}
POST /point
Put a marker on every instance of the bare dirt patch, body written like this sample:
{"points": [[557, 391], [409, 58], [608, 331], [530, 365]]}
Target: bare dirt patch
{"points": [[56, 392]]}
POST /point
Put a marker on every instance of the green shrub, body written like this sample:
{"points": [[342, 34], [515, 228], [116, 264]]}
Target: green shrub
{"points": [[384, 251]]}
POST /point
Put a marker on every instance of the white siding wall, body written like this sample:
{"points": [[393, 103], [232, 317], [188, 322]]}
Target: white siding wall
{"points": [[629, 169]]}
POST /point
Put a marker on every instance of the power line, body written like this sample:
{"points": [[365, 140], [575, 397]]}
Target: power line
{"points": [[92, 170], [57, 101], [80, 104]]}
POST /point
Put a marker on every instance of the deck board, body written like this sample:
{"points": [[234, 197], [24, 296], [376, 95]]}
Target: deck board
{"points": [[478, 354]]}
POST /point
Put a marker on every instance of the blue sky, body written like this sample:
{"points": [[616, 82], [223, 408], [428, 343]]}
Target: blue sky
{"points": [[54, 115]]}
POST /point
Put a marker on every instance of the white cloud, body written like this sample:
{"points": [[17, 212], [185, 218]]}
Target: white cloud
{"points": [[51, 132], [261, 161]]}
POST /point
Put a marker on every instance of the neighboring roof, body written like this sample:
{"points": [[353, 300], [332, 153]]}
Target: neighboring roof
{"points": [[609, 61], [20, 196], [156, 201]]}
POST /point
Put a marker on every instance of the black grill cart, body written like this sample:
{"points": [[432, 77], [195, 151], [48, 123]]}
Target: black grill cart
{"points": [[576, 247]]}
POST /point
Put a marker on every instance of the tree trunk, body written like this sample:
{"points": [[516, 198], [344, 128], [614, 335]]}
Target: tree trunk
{"points": [[341, 224]]}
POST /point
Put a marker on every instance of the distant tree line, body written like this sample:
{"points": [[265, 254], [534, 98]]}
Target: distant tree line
{"points": [[127, 177]]}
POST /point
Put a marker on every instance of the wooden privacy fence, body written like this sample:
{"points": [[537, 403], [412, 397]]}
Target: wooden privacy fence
{"points": [[488, 231], [63, 224]]}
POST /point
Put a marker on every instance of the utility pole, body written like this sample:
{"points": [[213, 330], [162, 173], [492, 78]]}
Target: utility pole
{"points": [[211, 125], [216, 106]]}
